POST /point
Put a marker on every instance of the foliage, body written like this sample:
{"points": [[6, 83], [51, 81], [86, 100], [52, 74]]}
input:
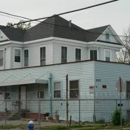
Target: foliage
{"points": [[124, 55], [20, 25], [116, 117]]}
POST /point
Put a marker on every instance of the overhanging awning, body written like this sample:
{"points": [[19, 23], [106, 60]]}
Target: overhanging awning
{"points": [[23, 82]]}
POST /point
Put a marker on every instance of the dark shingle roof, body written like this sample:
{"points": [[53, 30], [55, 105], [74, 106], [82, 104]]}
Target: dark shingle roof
{"points": [[13, 33], [54, 26], [93, 34]]}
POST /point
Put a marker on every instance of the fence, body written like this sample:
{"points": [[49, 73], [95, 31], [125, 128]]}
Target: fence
{"points": [[78, 109]]}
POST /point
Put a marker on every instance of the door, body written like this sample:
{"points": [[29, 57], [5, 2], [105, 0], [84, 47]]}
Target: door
{"points": [[23, 97]]}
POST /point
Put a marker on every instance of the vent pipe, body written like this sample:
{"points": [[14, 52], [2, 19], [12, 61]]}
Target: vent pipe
{"points": [[70, 24]]}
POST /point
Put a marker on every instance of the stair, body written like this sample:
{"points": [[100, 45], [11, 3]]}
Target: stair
{"points": [[13, 115]]}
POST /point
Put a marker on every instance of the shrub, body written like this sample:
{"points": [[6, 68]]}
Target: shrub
{"points": [[116, 117]]}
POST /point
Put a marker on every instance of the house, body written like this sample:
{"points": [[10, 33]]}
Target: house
{"points": [[34, 64]]}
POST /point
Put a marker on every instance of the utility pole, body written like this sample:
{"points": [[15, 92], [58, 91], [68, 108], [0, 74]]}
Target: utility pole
{"points": [[120, 101], [94, 116], [67, 100]]}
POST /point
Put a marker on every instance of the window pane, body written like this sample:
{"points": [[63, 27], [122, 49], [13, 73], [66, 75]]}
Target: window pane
{"points": [[74, 89], [7, 95], [57, 94], [64, 55], [40, 94], [57, 90], [25, 57], [78, 54], [107, 55], [57, 85], [1, 57], [17, 55], [42, 56], [93, 54]]}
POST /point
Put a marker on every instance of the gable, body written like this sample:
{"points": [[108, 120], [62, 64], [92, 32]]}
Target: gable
{"points": [[3, 37], [109, 36]]}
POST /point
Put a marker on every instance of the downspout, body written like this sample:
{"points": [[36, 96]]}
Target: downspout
{"points": [[50, 93]]}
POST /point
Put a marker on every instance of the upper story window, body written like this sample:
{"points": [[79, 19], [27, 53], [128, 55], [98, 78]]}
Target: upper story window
{"points": [[107, 36], [93, 54], [25, 57], [42, 55], [63, 54], [107, 55], [17, 55], [78, 54], [1, 57], [57, 90], [74, 89]]}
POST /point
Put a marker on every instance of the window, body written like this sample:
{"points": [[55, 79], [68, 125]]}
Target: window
{"points": [[93, 54], [78, 55], [7, 95], [57, 90], [63, 54], [74, 89], [25, 57], [17, 55], [42, 55], [107, 55], [40, 94], [1, 57], [128, 90], [107, 36]]}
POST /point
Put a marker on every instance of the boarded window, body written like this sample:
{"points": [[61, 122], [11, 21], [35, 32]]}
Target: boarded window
{"points": [[57, 90], [74, 89]]}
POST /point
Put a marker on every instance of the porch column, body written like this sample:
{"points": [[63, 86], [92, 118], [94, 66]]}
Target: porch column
{"points": [[50, 93]]}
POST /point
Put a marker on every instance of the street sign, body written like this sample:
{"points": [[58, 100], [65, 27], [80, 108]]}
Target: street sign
{"points": [[120, 84]]}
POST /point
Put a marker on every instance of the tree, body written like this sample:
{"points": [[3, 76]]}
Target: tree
{"points": [[124, 55], [20, 25]]}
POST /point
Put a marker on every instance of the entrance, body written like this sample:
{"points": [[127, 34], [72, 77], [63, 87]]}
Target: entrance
{"points": [[23, 97]]}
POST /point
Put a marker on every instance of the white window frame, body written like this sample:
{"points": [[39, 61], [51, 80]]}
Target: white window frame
{"points": [[44, 58], [57, 89], [24, 57], [105, 54], [20, 54], [3, 59], [74, 89], [80, 54]]}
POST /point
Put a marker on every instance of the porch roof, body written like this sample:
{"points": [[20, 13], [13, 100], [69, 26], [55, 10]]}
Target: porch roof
{"points": [[31, 81]]}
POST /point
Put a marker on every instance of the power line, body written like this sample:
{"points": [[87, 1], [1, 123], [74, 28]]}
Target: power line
{"points": [[30, 20], [63, 13]]}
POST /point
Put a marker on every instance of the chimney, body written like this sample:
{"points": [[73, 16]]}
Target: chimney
{"points": [[70, 24]]}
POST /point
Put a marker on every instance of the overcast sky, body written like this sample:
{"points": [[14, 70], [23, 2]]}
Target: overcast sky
{"points": [[117, 14]]}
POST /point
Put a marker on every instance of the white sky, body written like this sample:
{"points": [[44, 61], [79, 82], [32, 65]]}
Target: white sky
{"points": [[117, 14]]}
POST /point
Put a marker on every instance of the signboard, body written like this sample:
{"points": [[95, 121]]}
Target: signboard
{"points": [[120, 85]]}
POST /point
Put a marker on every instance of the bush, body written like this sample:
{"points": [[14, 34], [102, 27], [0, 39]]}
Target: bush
{"points": [[116, 117]]}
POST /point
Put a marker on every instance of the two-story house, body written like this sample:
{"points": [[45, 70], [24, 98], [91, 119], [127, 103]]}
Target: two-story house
{"points": [[34, 64]]}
